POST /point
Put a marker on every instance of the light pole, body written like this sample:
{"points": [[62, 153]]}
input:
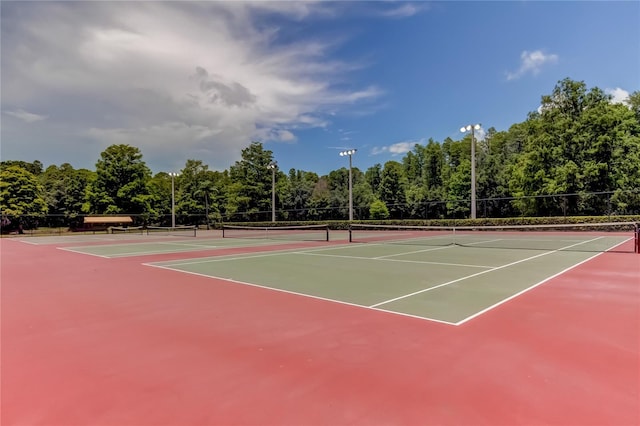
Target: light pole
{"points": [[472, 128], [273, 166], [350, 152], [173, 198]]}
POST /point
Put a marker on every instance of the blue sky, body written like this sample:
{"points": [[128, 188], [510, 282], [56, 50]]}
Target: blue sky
{"points": [[200, 80]]}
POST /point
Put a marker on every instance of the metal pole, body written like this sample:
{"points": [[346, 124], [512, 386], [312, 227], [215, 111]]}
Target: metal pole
{"points": [[350, 152], [173, 202], [473, 174], [273, 195], [350, 191]]}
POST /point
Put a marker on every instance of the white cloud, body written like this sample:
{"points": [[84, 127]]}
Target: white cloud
{"points": [[403, 11], [619, 96], [395, 149], [173, 78], [532, 62], [25, 116]]}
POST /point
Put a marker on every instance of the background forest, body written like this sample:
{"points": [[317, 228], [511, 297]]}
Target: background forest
{"points": [[579, 154]]}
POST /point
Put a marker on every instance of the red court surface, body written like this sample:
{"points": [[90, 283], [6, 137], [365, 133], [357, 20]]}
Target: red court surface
{"points": [[95, 341]]}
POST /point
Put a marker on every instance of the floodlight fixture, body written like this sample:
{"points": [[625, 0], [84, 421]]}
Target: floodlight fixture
{"points": [[273, 166], [173, 198], [472, 128], [349, 153]]}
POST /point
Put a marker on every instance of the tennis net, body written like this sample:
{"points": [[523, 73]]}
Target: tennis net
{"points": [[589, 237], [178, 231], [287, 233], [127, 230]]}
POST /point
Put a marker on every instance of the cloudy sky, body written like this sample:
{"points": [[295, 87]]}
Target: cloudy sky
{"points": [[200, 80]]}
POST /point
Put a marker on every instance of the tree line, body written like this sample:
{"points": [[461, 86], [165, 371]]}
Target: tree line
{"points": [[579, 154]]}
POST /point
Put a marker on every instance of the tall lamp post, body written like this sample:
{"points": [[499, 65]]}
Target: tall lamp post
{"points": [[350, 152], [472, 128], [173, 198], [273, 166]]}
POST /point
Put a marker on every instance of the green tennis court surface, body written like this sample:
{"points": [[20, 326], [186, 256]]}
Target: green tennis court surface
{"points": [[130, 249], [450, 284]]}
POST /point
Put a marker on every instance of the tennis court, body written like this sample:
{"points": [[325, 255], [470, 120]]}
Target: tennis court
{"points": [[391, 325], [441, 276]]}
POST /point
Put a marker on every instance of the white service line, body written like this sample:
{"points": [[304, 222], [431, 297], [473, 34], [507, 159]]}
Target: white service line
{"points": [[413, 252], [311, 296], [82, 252], [245, 256], [395, 260], [535, 285], [479, 273]]}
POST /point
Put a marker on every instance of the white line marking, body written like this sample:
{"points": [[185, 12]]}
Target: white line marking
{"points": [[413, 252], [395, 260], [440, 248], [82, 252], [231, 280], [479, 273], [535, 285], [246, 256]]}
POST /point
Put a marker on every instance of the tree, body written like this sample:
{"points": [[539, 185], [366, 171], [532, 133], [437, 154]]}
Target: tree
{"points": [[319, 204], [197, 186], [121, 184], [21, 197], [378, 210], [373, 176], [392, 188], [34, 168], [362, 194], [65, 192], [295, 193], [634, 103], [250, 190], [160, 202], [574, 146]]}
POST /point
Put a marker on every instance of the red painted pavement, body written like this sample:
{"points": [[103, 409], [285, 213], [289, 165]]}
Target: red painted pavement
{"points": [[93, 341]]}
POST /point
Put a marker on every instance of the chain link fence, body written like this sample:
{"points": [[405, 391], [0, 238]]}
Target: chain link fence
{"points": [[607, 204]]}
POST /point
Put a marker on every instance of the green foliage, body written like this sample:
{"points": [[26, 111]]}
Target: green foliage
{"points": [[250, 188], [392, 188], [577, 155], [378, 210], [34, 168], [65, 189], [21, 193], [121, 183]]}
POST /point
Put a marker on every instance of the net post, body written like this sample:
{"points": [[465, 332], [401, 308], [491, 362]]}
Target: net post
{"points": [[350, 234], [637, 238], [327, 232]]}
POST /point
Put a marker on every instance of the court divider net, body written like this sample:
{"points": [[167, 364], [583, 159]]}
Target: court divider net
{"points": [[588, 237], [127, 230], [286, 233], [178, 231]]}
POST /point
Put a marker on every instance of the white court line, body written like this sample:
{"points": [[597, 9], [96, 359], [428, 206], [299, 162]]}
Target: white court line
{"points": [[82, 252], [173, 243], [437, 248], [479, 273], [373, 307], [412, 252], [274, 253], [231, 280], [246, 256], [394, 260], [536, 285], [48, 241], [147, 253], [170, 243]]}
